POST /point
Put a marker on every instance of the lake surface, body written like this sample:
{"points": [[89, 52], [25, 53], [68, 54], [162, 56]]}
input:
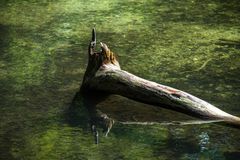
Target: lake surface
{"points": [[190, 45]]}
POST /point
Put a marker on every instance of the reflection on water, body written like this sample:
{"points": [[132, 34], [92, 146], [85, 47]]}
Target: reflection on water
{"points": [[191, 45]]}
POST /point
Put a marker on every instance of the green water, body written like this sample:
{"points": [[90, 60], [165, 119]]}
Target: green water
{"points": [[190, 45]]}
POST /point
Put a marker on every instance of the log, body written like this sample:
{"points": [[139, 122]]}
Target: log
{"points": [[105, 76]]}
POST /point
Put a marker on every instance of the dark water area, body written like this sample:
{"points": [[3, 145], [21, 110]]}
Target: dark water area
{"points": [[190, 45]]}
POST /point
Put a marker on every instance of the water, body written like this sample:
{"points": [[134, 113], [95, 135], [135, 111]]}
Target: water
{"points": [[189, 45]]}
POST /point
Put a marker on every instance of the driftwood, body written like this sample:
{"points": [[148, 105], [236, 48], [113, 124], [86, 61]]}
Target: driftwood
{"points": [[104, 76]]}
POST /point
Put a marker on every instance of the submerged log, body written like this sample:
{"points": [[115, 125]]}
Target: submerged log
{"points": [[104, 75]]}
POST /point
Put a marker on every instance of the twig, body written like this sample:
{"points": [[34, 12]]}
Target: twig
{"points": [[200, 68], [190, 122]]}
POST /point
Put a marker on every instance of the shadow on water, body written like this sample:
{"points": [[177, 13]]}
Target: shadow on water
{"points": [[76, 115], [4, 38], [83, 112], [232, 155], [97, 111]]}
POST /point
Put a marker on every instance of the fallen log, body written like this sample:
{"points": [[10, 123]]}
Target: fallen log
{"points": [[105, 76]]}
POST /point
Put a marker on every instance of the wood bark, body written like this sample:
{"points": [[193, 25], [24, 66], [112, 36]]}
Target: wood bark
{"points": [[104, 75]]}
